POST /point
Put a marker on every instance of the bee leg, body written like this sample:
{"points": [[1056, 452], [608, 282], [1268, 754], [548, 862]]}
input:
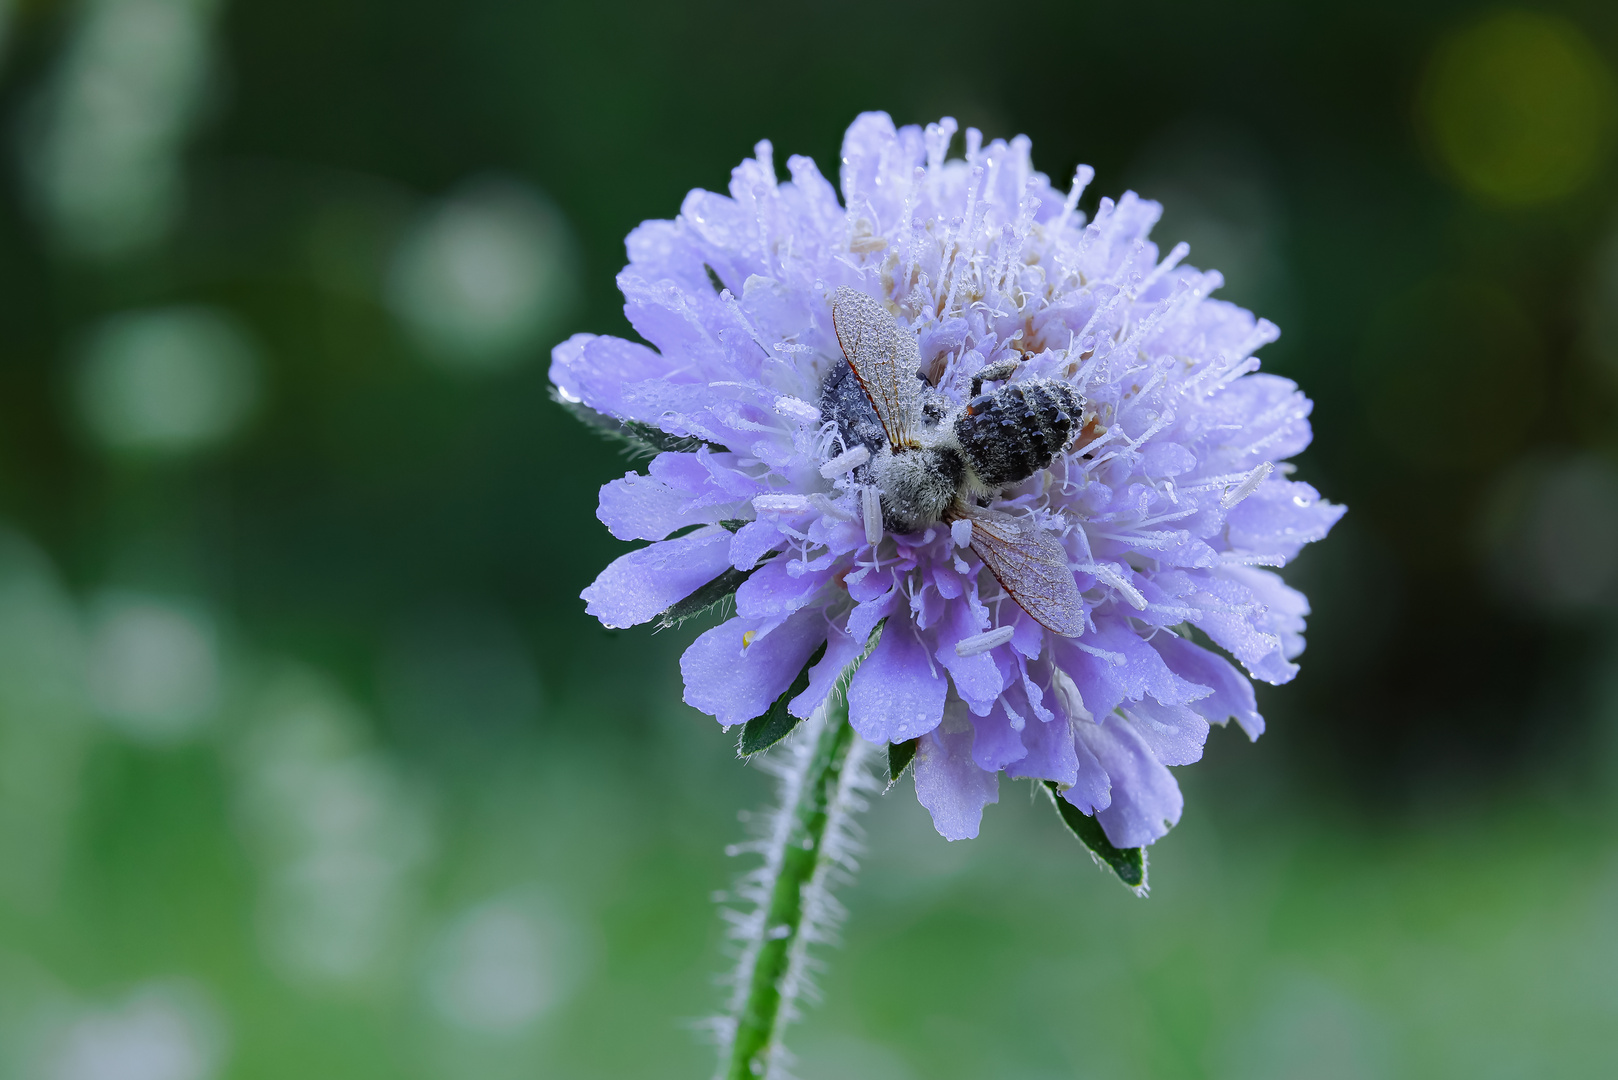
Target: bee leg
{"points": [[992, 373]]}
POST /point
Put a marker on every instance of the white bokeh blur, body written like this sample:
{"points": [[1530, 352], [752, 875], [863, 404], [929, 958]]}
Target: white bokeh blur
{"points": [[155, 665], [480, 277], [499, 966], [165, 1030], [110, 126], [340, 838], [1307, 1026], [167, 381]]}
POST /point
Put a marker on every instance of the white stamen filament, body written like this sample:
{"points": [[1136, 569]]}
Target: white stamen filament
{"points": [[1112, 577], [961, 532], [847, 461], [829, 508], [1247, 486], [979, 643], [871, 508], [1181, 250], [1081, 180]]}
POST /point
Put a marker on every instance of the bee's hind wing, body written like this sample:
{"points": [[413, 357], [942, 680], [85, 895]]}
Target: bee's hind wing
{"points": [[884, 359], [1031, 565]]}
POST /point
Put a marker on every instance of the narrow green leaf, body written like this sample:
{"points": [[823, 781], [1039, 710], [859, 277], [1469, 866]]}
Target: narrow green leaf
{"points": [[763, 732], [1128, 863], [728, 524], [635, 438], [710, 596], [900, 755]]}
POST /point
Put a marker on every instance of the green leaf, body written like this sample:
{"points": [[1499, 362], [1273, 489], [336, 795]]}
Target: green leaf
{"points": [[728, 524], [900, 755], [763, 732], [1128, 863], [710, 596], [635, 438]]}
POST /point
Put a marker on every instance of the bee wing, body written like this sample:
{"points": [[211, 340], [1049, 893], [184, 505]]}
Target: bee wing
{"points": [[884, 359], [1031, 565]]}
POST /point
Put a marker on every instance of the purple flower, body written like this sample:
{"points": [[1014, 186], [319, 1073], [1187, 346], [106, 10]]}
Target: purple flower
{"points": [[1171, 503]]}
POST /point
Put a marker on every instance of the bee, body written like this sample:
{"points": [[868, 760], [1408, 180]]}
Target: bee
{"points": [[930, 461]]}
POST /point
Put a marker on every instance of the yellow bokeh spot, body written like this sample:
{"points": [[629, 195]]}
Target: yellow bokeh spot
{"points": [[1520, 108]]}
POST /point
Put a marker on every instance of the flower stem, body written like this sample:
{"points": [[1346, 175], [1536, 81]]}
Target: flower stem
{"points": [[798, 887]]}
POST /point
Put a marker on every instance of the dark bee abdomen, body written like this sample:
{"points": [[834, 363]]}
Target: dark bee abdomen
{"points": [[1011, 434]]}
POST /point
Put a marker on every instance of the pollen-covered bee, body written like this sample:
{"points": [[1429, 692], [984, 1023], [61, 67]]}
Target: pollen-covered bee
{"points": [[927, 461]]}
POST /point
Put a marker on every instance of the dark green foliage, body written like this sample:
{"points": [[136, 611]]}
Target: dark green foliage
{"points": [[728, 524], [705, 599], [763, 732], [1128, 863]]}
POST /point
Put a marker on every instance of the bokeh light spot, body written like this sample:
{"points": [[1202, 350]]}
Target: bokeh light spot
{"points": [[498, 968], [480, 277], [162, 1031], [167, 381], [1519, 108], [154, 666], [125, 96], [339, 835]]}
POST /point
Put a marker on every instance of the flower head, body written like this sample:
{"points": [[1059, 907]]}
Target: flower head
{"points": [[1170, 502]]}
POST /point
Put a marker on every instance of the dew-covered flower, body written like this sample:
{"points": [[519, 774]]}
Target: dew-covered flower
{"points": [[1172, 503]]}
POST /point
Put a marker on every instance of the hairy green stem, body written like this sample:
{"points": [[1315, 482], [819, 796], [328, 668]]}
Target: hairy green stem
{"points": [[759, 1023]]}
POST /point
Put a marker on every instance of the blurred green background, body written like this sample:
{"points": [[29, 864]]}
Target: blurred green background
{"points": [[311, 764]]}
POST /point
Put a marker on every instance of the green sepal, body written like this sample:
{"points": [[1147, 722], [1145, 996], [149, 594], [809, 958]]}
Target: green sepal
{"points": [[728, 524], [635, 438], [1128, 863], [900, 755], [763, 732], [710, 596]]}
